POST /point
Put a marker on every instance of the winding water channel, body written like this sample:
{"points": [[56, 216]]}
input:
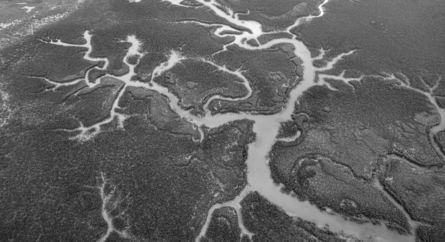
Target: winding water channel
{"points": [[266, 127]]}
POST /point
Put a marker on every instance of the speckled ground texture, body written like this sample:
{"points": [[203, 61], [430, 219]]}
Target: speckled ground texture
{"points": [[222, 120]]}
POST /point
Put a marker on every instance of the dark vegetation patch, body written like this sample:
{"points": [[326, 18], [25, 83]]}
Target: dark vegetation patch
{"points": [[160, 197], [95, 74], [35, 104], [271, 36], [158, 39], [47, 190], [288, 129], [390, 37], [224, 226], [58, 63], [431, 234], [269, 223], [271, 74], [164, 11], [169, 201], [113, 48], [440, 139], [226, 149], [92, 107], [271, 14], [267, 7], [195, 81], [330, 185], [161, 29], [225, 146], [353, 128], [154, 109], [51, 184], [421, 192]]}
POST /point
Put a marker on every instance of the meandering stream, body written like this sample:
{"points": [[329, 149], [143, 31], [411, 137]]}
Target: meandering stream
{"points": [[266, 127]]}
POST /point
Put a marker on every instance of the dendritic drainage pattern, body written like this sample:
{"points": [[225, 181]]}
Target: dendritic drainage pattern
{"points": [[266, 127]]}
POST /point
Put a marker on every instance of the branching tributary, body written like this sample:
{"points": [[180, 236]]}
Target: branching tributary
{"points": [[266, 127]]}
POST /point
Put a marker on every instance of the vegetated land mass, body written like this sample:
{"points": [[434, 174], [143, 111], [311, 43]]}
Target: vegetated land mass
{"points": [[156, 177]]}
